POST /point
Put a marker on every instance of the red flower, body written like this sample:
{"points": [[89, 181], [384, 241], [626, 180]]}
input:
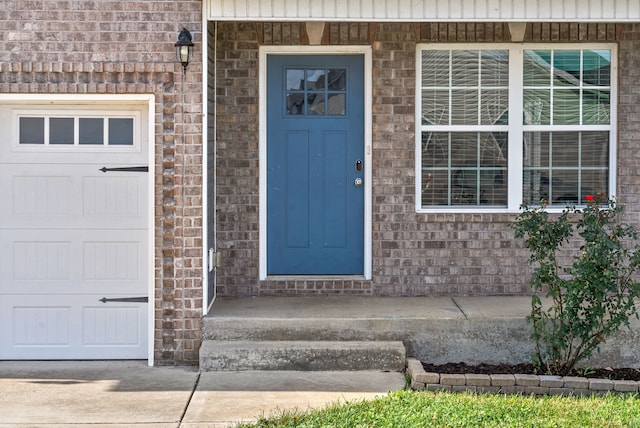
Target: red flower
{"points": [[589, 198]]}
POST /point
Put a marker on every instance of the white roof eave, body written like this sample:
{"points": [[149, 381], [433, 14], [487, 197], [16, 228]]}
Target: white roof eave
{"points": [[425, 10]]}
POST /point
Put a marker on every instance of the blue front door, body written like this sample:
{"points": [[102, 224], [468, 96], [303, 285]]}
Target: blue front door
{"points": [[315, 170]]}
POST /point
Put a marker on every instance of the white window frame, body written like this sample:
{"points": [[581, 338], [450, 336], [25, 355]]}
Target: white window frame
{"points": [[516, 127]]}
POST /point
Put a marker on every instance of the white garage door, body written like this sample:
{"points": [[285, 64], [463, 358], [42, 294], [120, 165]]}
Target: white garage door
{"points": [[73, 239]]}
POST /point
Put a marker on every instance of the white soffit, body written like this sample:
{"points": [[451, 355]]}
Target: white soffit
{"points": [[425, 10]]}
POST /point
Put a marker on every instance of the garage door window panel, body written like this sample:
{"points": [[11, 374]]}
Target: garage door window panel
{"points": [[61, 130], [91, 131], [31, 130], [120, 132], [57, 130]]}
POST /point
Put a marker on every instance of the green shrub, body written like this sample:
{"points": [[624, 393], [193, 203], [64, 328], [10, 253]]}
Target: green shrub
{"points": [[591, 293]]}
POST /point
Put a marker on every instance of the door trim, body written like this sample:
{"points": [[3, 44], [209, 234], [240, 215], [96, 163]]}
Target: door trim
{"points": [[265, 51]]}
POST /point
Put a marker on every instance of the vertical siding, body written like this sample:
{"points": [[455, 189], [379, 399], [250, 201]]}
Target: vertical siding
{"points": [[438, 10]]}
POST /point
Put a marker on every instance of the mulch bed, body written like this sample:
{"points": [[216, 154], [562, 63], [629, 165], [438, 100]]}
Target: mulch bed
{"points": [[599, 373]]}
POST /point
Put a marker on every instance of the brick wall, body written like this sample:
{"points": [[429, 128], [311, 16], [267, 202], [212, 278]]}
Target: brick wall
{"points": [[237, 157], [117, 47], [413, 254], [629, 121]]}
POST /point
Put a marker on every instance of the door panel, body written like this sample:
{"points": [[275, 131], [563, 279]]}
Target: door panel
{"points": [[335, 177], [315, 136], [297, 182], [71, 326], [72, 196], [71, 235]]}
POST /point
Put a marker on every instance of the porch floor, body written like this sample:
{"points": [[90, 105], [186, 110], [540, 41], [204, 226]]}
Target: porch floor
{"points": [[358, 307]]}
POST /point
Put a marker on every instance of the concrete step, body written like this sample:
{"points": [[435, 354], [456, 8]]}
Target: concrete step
{"points": [[301, 355], [304, 329]]}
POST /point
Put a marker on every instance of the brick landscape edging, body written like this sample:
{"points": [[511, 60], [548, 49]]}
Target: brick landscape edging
{"points": [[513, 384]]}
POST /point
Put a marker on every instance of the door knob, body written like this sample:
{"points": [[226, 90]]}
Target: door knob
{"points": [[357, 182]]}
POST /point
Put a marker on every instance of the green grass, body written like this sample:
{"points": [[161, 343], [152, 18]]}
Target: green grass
{"points": [[440, 409]]}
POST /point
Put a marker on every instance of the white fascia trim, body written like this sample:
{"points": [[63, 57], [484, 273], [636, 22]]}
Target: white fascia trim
{"points": [[368, 149], [424, 10]]}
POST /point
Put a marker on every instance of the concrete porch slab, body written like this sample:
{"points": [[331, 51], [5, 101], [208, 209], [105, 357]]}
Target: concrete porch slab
{"points": [[337, 307], [494, 306]]}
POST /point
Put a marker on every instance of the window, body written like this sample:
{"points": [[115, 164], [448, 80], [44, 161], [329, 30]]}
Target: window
{"points": [[316, 92], [509, 124], [35, 128]]}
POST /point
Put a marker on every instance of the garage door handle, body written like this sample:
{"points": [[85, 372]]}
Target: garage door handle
{"points": [[125, 299], [126, 169]]}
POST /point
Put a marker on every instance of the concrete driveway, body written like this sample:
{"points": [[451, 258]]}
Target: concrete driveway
{"points": [[124, 393]]}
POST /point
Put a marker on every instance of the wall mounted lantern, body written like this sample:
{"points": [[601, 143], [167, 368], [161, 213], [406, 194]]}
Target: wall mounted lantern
{"points": [[184, 48]]}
